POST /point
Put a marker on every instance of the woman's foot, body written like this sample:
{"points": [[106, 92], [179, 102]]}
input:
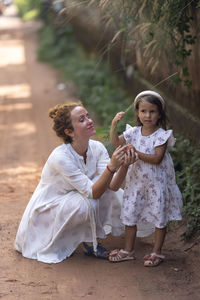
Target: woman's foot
{"points": [[121, 255], [101, 251], [153, 259]]}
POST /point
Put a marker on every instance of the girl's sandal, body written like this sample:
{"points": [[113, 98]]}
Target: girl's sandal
{"points": [[121, 255], [153, 259]]}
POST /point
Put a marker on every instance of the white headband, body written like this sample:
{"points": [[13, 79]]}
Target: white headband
{"points": [[147, 93]]}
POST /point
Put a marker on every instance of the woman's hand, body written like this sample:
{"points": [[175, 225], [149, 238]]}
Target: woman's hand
{"points": [[128, 158], [117, 158]]}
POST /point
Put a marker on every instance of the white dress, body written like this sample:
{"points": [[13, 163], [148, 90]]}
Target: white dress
{"points": [[151, 193], [61, 212]]}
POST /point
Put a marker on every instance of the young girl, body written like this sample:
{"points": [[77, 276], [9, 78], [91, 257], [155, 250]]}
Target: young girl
{"points": [[151, 194]]}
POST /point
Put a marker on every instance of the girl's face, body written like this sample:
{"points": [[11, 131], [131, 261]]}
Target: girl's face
{"points": [[148, 114], [82, 124]]}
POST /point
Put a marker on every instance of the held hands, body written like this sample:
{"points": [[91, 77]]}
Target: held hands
{"points": [[122, 156], [130, 156]]}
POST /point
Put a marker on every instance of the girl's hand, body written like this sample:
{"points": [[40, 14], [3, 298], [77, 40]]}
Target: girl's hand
{"points": [[130, 156], [117, 158], [118, 117]]}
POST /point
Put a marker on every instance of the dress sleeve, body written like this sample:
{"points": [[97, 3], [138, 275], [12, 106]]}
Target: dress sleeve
{"points": [[131, 134], [128, 133], [73, 175], [165, 136]]}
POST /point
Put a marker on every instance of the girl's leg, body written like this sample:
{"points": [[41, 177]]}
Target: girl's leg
{"points": [[127, 253], [160, 234], [130, 236], [155, 258]]}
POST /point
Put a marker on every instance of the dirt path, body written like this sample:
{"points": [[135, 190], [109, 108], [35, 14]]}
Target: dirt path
{"points": [[27, 90]]}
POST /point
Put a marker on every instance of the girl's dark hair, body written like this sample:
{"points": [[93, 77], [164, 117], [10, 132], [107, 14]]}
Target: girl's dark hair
{"points": [[162, 122], [61, 115]]}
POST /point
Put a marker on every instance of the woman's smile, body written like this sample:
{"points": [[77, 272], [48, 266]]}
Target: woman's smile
{"points": [[82, 123]]}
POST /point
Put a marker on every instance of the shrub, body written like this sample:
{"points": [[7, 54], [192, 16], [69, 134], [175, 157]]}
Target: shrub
{"points": [[28, 9]]}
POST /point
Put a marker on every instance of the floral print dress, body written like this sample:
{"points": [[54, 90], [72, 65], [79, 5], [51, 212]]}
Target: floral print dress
{"points": [[151, 194]]}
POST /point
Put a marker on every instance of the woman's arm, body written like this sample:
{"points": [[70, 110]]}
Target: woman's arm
{"points": [[116, 140], [103, 183], [154, 159], [118, 179], [69, 170]]}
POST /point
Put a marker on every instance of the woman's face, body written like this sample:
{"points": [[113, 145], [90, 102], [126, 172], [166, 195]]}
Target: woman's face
{"points": [[82, 124]]}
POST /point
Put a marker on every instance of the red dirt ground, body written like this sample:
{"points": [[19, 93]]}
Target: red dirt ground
{"points": [[27, 90]]}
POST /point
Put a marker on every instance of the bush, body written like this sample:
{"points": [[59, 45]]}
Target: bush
{"points": [[28, 9], [187, 165]]}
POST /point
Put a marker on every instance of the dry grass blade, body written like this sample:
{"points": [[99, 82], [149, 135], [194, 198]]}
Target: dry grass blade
{"points": [[116, 35], [142, 27], [148, 48], [103, 3], [72, 4], [142, 8], [154, 67]]}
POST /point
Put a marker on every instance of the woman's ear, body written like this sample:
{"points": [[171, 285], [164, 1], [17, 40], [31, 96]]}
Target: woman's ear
{"points": [[69, 132]]}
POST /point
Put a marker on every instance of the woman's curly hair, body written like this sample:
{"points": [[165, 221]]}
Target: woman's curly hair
{"points": [[61, 115]]}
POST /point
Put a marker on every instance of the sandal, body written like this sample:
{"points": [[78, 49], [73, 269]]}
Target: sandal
{"points": [[101, 251], [153, 259], [121, 255]]}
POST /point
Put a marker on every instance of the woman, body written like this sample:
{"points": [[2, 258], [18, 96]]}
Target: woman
{"points": [[64, 210]]}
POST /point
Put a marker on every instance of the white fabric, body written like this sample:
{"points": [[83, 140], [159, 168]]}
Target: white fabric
{"points": [[58, 218], [151, 193]]}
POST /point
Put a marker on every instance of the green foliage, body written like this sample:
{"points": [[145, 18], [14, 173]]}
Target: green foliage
{"points": [[28, 9], [158, 28], [97, 87], [101, 92], [177, 19], [187, 164], [32, 14]]}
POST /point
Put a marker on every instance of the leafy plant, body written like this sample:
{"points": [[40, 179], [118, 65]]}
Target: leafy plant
{"points": [[187, 164], [28, 9], [158, 28]]}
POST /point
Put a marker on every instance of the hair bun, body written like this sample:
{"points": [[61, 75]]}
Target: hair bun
{"points": [[53, 111]]}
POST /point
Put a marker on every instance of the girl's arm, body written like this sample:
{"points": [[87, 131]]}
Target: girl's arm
{"points": [[156, 158], [116, 140]]}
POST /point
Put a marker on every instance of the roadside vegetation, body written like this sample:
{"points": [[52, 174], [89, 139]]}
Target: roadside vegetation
{"points": [[102, 92], [28, 9]]}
